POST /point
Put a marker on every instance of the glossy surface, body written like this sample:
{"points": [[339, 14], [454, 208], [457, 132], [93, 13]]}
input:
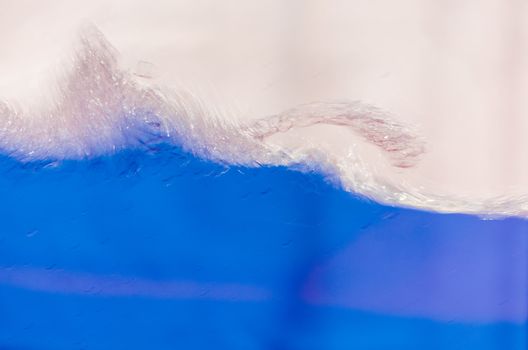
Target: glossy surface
{"points": [[155, 249]]}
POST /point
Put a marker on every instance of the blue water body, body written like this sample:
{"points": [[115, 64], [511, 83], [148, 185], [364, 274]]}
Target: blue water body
{"points": [[155, 249]]}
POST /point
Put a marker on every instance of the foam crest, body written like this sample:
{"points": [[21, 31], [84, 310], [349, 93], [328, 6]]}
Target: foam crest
{"points": [[96, 108]]}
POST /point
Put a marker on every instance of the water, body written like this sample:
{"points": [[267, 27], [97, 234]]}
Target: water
{"points": [[157, 249], [136, 217]]}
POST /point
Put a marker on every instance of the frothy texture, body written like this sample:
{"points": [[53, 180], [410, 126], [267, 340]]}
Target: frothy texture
{"points": [[95, 107]]}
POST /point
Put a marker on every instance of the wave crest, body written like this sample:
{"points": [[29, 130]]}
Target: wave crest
{"points": [[97, 108]]}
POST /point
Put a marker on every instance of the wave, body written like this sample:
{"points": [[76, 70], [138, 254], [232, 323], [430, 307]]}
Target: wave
{"points": [[97, 108]]}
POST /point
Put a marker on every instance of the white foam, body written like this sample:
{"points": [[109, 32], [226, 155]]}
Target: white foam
{"points": [[96, 108]]}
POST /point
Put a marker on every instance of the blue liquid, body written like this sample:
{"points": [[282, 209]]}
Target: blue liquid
{"points": [[155, 249]]}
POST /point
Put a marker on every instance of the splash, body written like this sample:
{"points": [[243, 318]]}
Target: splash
{"points": [[96, 108]]}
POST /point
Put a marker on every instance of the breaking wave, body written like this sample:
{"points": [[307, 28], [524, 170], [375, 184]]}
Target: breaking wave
{"points": [[98, 108]]}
